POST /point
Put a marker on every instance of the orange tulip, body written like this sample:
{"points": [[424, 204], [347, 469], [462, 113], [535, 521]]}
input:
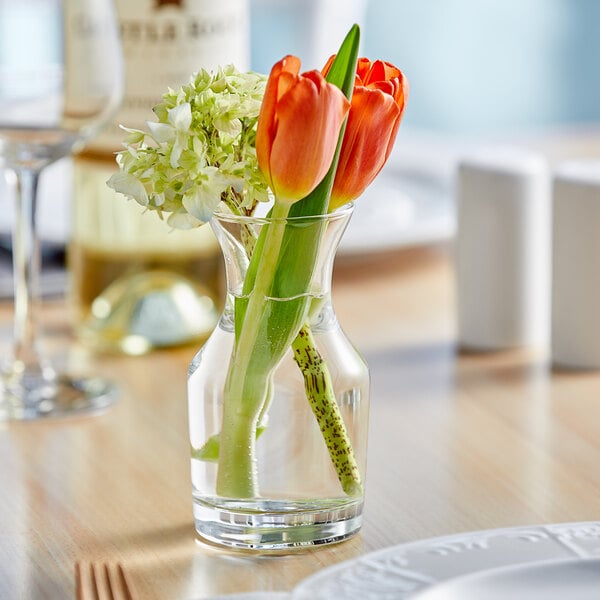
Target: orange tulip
{"points": [[298, 129], [378, 101]]}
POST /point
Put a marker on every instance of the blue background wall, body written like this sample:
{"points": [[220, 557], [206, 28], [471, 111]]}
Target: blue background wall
{"points": [[474, 65]]}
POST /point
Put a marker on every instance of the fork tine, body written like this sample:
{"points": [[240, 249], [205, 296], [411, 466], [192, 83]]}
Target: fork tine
{"points": [[85, 581], [119, 583], [78, 582], [101, 581]]}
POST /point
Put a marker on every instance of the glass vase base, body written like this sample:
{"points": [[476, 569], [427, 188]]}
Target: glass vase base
{"points": [[59, 397], [276, 525]]}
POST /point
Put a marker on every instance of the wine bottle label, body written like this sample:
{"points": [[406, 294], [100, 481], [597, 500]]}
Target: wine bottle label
{"points": [[93, 85], [164, 43]]}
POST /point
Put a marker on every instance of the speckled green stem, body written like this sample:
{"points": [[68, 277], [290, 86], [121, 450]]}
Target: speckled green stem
{"points": [[321, 397]]}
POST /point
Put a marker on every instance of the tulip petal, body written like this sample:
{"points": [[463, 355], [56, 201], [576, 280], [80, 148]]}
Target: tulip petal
{"points": [[298, 129], [310, 117], [370, 132], [377, 107], [267, 122]]}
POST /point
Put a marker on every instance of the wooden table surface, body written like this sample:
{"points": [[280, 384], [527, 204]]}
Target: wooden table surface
{"points": [[458, 442]]}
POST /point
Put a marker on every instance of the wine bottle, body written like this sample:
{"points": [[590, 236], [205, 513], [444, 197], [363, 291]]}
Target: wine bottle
{"points": [[164, 43], [135, 284]]}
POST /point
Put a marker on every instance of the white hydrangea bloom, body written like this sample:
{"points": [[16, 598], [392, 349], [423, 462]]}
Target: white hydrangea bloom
{"points": [[200, 152]]}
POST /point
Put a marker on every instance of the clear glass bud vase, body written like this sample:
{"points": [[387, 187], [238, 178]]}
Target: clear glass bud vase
{"points": [[292, 472]]}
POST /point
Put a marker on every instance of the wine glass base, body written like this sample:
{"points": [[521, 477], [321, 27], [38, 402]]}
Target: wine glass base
{"points": [[62, 396]]}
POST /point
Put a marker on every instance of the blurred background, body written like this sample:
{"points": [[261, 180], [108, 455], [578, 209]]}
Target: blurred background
{"points": [[481, 72], [518, 72], [476, 67]]}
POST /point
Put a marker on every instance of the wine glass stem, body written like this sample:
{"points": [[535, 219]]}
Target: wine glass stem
{"points": [[26, 266]]}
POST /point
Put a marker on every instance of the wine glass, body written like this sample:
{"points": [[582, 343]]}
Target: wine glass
{"points": [[61, 81]]}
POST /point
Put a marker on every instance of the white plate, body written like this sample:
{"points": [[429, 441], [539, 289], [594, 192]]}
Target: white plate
{"points": [[403, 571], [577, 579], [399, 210], [395, 211], [253, 596]]}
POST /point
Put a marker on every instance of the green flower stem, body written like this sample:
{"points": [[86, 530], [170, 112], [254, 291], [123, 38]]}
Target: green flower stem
{"points": [[244, 397], [269, 320], [247, 380], [321, 397]]}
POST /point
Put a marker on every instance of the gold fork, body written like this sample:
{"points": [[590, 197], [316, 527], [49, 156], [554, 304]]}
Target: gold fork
{"points": [[101, 581]]}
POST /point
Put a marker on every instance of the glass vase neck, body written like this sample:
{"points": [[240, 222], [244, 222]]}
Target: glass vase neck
{"points": [[238, 237]]}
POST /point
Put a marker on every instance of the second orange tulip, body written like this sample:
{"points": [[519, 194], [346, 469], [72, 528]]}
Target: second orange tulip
{"points": [[377, 107]]}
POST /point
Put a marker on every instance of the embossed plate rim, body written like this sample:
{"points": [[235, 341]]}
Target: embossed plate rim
{"points": [[401, 580], [545, 579]]}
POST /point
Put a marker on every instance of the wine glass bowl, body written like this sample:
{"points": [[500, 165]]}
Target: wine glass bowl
{"points": [[61, 81], [59, 90]]}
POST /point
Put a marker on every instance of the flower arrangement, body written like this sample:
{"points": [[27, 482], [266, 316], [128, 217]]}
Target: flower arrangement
{"points": [[310, 143]]}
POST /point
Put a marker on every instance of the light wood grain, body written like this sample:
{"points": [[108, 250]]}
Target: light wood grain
{"points": [[458, 442]]}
